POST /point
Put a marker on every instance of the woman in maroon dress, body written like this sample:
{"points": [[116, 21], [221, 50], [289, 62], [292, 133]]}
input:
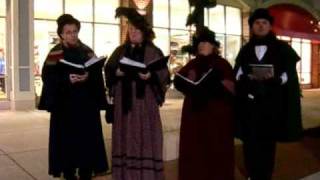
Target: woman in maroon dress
{"points": [[206, 137], [136, 130]]}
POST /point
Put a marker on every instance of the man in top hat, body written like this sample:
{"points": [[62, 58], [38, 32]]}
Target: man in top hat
{"points": [[268, 96]]}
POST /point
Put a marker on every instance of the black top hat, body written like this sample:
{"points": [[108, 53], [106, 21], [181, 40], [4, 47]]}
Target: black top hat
{"points": [[137, 20], [66, 19], [203, 34], [260, 13]]}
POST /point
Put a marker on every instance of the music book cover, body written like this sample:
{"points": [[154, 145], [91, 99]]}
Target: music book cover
{"points": [[262, 70]]}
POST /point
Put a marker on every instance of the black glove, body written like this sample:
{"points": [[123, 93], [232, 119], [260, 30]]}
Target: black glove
{"points": [[274, 81]]}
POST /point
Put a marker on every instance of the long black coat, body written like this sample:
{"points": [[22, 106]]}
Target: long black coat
{"points": [[76, 139], [275, 111]]}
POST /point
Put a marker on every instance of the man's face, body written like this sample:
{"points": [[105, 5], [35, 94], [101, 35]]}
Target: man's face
{"points": [[261, 27], [70, 34]]}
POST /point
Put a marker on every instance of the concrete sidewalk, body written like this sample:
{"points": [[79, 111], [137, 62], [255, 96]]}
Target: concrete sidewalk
{"points": [[24, 141]]}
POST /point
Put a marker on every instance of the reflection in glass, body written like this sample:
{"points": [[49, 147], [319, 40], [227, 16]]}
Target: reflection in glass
{"points": [[285, 38], [105, 11], [162, 39], [161, 14], [295, 44], [178, 39], [206, 17], [80, 9], [45, 38], [233, 46], [104, 44], [306, 63], [45, 10], [86, 34], [2, 7], [221, 39], [303, 49], [2, 59], [233, 21], [179, 10], [216, 19]]}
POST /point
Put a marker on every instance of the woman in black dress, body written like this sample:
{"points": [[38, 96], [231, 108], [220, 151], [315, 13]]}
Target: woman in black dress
{"points": [[74, 101]]}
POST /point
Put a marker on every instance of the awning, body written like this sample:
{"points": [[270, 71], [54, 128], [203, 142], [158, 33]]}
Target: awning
{"points": [[294, 21]]}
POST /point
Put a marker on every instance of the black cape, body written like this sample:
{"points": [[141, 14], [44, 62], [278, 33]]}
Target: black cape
{"points": [[275, 112], [75, 139]]}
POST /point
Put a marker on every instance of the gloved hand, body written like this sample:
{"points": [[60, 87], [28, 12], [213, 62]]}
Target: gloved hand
{"points": [[274, 81]]}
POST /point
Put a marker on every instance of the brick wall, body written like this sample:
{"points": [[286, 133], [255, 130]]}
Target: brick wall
{"points": [[315, 65]]}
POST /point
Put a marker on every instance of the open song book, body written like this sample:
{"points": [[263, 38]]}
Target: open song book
{"points": [[261, 71], [93, 64], [132, 66], [208, 84], [190, 82]]}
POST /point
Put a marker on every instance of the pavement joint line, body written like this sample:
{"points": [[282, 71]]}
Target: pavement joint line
{"points": [[21, 167], [24, 130], [20, 152]]}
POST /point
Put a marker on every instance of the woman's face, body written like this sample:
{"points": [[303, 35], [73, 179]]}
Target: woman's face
{"points": [[135, 35], [205, 48], [70, 34]]}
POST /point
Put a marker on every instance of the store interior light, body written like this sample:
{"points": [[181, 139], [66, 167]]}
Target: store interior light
{"points": [[142, 4]]}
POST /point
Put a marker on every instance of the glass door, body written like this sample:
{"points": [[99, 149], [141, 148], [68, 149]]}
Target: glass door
{"points": [[3, 62]]}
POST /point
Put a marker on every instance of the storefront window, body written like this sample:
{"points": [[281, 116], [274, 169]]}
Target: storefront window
{"points": [[81, 9], [225, 21], [3, 71], [161, 14], [306, 62], [221, 38], [171, 31], [104, 43], [45, 10], [162, 39], [233, 21], [216, 19], [86, 33], [178, 39], [179, 10], [303, 49], [233, 45], [105, 11], [45, 38], [2, 7], [296, 45]]}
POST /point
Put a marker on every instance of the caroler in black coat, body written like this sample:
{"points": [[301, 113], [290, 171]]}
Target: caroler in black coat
{"points": [[74, 102], [268, 106]]}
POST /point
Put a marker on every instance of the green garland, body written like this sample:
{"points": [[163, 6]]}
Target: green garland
{"points": [[195, 19]]}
